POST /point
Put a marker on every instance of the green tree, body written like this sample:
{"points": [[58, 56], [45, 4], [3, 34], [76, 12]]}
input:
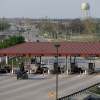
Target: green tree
{"points": [[12, 40], [89, 26], [4, 25]]}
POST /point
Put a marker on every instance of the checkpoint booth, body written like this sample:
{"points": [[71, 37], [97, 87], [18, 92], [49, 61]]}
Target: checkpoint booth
{"points": [[47, 49]]}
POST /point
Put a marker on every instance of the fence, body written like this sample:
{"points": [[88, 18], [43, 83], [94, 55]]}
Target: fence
{"points": [[68, 97]]}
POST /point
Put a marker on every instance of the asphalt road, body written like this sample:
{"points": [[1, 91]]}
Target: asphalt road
{"points": [[33, 36], [41, 88]]}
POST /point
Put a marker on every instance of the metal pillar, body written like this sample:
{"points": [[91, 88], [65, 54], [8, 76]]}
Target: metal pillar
{"points": [[57, 46], [40, 60], [70, 63], [12, 71], [57, 78], [6, 60], [66, 69], [0, 59]]}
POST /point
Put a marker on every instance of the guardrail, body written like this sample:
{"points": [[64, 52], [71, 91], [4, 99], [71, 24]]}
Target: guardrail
{"points": [[77, 93]]}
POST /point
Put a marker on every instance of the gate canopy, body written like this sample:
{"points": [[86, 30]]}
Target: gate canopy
{"points": [[48, 49]]}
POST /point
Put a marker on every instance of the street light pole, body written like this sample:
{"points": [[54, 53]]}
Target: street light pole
{"points": [[57, 46]]}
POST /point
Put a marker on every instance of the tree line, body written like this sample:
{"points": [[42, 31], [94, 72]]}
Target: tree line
{"points": [[76, 26], [12, 40], [4, 25]]}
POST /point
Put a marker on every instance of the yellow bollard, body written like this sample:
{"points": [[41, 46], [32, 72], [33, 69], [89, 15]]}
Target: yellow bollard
{"points": [[51, 95]]}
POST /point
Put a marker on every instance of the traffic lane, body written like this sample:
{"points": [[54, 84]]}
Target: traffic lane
{"points": [[42, 90], [63, 85], [80, 86], [16, 91]]}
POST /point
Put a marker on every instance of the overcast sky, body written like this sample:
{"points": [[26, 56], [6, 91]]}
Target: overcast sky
{"points": [[50, 8]]}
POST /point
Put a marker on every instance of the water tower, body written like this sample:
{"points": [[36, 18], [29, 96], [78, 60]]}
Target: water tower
{"points": [[85, 8]]}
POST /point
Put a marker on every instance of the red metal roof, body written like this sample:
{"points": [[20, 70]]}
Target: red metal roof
{"points": [[48, 49]]}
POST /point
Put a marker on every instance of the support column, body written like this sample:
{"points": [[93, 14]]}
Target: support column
{"points": [[35, 59], [40, 61], [7, 60], [70, 64], [67, 69], [0, 59], [12, 70], [30, 71]]}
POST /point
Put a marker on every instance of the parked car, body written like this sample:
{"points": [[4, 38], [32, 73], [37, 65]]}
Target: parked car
{"points": [[5, 69], [22, 75], [42, 69]]}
